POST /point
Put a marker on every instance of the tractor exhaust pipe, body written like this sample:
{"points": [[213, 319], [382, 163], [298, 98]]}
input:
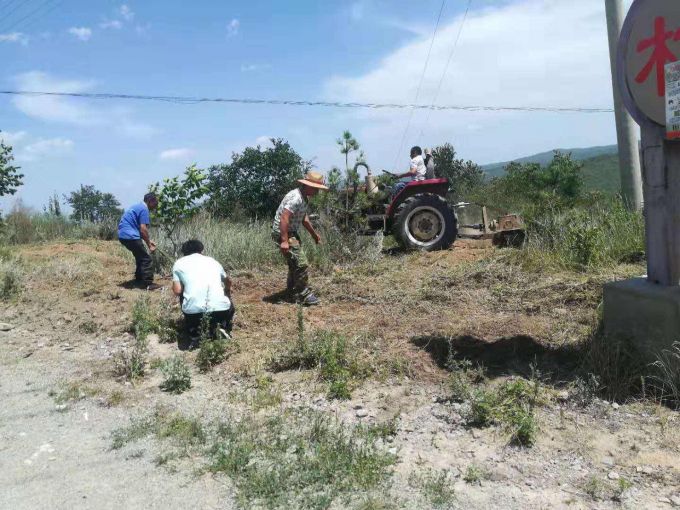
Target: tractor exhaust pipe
{"points": [[371, 186]]}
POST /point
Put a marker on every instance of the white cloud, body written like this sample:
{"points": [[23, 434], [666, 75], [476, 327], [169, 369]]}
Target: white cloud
{"points": [[14, 37], [49, 147], [250, 68], [233, 27], [114, 24], [81, 33], [521, 53], [126, 13], [176, 154], [263, 141], [73, 111], [12, 138]]}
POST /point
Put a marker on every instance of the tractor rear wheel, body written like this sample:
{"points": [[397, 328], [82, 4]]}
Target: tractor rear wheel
{"points": [[425, 222]]}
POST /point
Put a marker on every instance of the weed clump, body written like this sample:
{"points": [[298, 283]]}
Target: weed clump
{"points": [[72, 392], [667, 377], [177, 375], [297, 460], [181, 430], [436, 487], [211, 353], [330, 354], [144, 319], [510, 405], [11, 279], [131, 363]]}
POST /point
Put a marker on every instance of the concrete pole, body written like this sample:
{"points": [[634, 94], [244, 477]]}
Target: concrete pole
{"points": [[629, 155]]}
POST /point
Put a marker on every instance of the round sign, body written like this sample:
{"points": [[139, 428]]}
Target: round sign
{"points": [[650, 39]]}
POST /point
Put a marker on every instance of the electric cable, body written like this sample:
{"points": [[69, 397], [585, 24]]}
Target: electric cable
{"points": [[329, 104], [446, 68], [420, 83]]}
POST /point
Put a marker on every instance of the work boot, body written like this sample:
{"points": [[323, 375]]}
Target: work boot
{"points": [[309, 299]]}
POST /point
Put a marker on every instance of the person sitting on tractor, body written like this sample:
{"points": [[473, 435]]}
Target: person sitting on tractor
{"points": [[290, 216], [416, 172]]}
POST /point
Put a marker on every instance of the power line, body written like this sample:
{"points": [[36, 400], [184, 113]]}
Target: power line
{"points": [[329, 104], [33, 13], [14, 9], [8, 4], [420, 83], [42, 15], [446, 68]]}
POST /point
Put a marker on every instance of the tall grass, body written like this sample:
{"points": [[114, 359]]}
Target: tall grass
{"points": [[600, 234], [249, 245], [22, 226]]}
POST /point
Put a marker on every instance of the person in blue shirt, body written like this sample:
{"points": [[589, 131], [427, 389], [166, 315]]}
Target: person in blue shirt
{"points": [[133, 233]]}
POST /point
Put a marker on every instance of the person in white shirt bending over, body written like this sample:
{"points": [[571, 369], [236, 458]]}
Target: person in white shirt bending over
{"points": [[203, 287], [416, 171]]}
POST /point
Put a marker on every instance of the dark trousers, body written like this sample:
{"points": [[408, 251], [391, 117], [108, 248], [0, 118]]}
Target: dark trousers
{"points": [[143, 261], [222, 319]]}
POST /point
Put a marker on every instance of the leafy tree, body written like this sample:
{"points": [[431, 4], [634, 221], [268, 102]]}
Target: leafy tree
{"points": [[10, 178], [53, 206], [179, 199], [464, 176], [531, 189], [90, 204], [559, 182], [255, 181]]}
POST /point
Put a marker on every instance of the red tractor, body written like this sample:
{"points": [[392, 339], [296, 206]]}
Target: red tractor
{"points": [[418, 216]]}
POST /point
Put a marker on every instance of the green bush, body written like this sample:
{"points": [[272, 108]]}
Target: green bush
{"points": [[328, 352], [144, 318], [11, 279], [177, 375], [510, 405], [211, 353]]}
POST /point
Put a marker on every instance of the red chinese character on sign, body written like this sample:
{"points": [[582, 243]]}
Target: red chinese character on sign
{"points": [[661, 54]]}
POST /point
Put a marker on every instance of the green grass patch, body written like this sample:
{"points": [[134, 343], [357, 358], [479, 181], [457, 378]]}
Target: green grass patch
{"points": [[304, 460], [177, 376], [436, 487], [295, 459], [72, 392], [511, 405]]}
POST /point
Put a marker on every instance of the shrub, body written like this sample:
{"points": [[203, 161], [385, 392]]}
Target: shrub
{"points": [[177, 375], [144, 319], [510, 405], [11, 279], [211, 353], [131, 363]]}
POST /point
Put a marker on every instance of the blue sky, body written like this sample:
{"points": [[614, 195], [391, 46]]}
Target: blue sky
{"points": [[512, 52]]}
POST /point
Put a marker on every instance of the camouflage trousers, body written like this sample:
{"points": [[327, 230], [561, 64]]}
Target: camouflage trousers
{"points": [[298, 266]]}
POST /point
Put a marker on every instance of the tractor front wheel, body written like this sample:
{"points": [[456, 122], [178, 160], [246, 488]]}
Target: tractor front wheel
{"points": [[425, 222]]}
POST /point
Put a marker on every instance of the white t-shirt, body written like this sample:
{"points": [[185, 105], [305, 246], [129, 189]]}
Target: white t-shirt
{"points": [[418, 164], [201, 277]]}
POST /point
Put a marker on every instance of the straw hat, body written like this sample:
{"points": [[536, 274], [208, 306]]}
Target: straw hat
{"points": [[313, 180]]}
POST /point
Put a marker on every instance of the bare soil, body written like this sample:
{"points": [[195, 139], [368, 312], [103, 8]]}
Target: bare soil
{"points": [[75, 312]]}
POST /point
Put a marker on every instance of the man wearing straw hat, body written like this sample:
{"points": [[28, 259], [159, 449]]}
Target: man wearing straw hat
{"points": [[291, 214]]}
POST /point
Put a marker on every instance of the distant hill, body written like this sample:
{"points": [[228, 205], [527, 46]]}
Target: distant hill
{"points": [[600, 166], [543, 158]]}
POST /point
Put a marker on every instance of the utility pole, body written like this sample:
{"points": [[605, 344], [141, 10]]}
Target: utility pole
{"points": [[629, 155]]}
